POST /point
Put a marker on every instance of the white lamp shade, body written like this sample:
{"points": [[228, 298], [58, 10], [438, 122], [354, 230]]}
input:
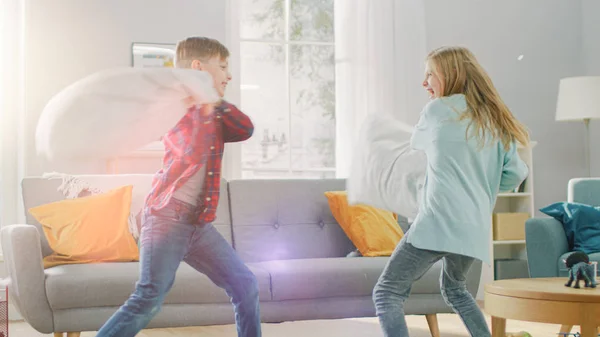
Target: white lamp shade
{"points": [[578, 98]]}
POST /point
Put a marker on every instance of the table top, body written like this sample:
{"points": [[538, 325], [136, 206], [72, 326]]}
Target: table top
{"points": [[552, 289]]}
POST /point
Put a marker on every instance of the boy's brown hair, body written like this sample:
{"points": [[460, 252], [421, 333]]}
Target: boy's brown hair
{"points": [[198, 48]]}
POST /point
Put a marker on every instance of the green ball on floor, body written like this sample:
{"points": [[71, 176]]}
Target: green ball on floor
{"points": [[518, 334]]}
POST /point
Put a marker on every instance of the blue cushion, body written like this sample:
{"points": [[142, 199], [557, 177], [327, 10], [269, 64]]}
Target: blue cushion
{"points": [[581, 223]]}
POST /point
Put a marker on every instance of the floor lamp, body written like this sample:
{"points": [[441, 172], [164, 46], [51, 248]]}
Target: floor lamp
{"points": [[579, 100]]}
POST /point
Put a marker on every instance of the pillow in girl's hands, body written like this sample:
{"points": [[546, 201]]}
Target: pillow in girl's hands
{"points": [[386, 173], [115, 111]]}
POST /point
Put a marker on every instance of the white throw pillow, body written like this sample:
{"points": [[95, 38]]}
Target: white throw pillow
{"points": [[386, 173], [116, 111]]}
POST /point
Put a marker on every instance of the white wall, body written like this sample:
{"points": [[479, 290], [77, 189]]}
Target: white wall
{"points": [[69, 39], [548, 35], [591, 36], [591, 58]]}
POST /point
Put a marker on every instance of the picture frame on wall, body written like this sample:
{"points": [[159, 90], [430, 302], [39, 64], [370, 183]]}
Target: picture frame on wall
{"points": [[152, 55]]}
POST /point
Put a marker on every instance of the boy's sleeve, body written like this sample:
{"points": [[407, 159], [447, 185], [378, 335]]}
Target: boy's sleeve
{"points": [[237, 126], [514, 170]]}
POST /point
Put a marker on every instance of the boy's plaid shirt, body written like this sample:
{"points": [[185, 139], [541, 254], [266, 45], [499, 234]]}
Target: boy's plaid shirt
{"points": [[194, 142]]}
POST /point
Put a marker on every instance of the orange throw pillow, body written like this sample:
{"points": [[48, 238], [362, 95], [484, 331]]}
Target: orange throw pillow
{"points": [[89, 229], [373, 231]]}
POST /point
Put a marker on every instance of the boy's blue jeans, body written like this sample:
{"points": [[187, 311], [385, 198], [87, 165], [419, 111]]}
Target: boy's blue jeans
{"points": [[406, 265], [166, 239]]}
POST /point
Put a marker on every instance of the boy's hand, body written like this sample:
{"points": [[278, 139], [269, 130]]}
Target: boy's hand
{"points": [[189, 101], [209, 108], [205, 110]]}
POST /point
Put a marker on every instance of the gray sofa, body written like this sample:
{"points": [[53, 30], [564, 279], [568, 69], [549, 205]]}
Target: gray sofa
{"points": [[283, 229]]}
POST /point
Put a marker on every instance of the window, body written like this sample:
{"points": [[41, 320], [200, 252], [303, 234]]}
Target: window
{"points": [[288, 88], [12, 115]]}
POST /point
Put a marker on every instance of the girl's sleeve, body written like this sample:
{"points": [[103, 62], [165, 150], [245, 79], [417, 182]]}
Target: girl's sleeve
{"points": [[514, 170], [428, 124]]}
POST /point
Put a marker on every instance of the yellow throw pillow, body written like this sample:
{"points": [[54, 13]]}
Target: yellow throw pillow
{"points": [[89, 229], [373, 231]]}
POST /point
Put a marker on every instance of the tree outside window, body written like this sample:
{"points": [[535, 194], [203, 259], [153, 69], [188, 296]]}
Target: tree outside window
{"points": [[288, 88]]}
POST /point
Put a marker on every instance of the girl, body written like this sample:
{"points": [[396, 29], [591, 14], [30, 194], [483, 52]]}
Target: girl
{"points": [[470, 138]]}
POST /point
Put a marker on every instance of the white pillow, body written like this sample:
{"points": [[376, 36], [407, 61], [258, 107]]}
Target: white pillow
{"points": [[386, 173], [116, 111]]}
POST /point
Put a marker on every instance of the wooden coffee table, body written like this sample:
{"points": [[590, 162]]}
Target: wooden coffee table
{"points": [[544, 300]]}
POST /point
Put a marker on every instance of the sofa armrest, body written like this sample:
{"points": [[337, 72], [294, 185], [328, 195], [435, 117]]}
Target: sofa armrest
{"points": [[545, 242], [26, 287]]}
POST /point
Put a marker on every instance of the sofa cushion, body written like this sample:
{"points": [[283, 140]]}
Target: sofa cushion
{"points": [[90, 229], [374, 231], [336, 277], [290, 220], [111, 284]]}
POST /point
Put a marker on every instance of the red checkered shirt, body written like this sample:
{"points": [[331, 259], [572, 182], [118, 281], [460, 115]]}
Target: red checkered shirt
{"points": [[198, 141]]}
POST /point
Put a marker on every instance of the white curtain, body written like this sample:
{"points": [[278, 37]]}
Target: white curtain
{"points": [[11, 111], [380, 52]]}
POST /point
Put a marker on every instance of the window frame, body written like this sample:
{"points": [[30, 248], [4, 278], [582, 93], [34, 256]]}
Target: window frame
{"points": [[235, 41]]}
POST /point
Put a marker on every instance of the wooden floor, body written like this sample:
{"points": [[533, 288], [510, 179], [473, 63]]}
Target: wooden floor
{"points": [[450, 326]]}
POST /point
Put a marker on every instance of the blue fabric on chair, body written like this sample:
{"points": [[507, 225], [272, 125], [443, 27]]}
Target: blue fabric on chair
{"points": [[584, 191], [581, 223], [546, 243]]}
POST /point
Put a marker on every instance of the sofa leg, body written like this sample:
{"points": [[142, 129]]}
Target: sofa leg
{"points": [[434, 328]]}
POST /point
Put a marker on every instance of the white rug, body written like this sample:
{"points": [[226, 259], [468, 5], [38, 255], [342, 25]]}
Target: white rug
{"points": [[450, 326]]}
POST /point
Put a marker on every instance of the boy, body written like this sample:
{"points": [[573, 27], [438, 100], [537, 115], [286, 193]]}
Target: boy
{"points": [[176, 222]]}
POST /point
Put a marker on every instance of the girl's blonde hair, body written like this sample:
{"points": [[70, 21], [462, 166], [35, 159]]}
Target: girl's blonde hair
{"points": [[461, 73]]}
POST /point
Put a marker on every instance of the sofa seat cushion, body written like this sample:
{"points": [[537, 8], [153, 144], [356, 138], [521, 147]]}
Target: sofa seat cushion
{"points": [[336, 277], [562, 268], [111, 284]]}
